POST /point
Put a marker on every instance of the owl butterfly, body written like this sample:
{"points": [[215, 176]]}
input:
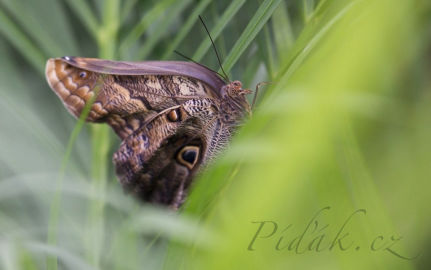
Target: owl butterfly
{"points": [[171, 116]]}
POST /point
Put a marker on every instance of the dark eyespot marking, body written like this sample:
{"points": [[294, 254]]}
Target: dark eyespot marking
{"points": [[174, 115], [83, 74], [188, 156]]}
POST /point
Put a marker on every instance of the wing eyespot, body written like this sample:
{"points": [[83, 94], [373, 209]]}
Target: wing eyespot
{"points": [[174, 115], [188, 156], [83, 74]]}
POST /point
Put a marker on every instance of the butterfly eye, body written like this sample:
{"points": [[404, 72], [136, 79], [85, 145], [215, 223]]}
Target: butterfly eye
{"points": [[83, 74], [188, 156], [237, 84], [174, 115]]}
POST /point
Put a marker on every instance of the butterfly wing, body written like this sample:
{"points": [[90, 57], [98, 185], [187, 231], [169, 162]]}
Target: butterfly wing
{"points": [[164, 112], [122, 90], [157, 162], [170, 68]]}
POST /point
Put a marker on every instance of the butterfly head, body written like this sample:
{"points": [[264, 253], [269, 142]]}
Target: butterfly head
{"points": [[235, 89], [234, 102]]}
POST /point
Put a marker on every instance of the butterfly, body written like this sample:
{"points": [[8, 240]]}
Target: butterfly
{"points": [[172, 117]]}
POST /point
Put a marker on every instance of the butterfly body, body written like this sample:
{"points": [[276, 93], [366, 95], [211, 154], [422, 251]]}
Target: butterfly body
{"points": [[171, 116]]}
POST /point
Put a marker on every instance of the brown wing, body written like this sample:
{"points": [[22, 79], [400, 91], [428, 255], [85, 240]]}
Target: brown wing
{"points": [[168, 121], [178, 68], [157, 162], [123, 101]]}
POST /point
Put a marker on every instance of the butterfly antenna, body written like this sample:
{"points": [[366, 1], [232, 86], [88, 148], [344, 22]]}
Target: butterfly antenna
{"points": [[215, 49], [188, 58]]}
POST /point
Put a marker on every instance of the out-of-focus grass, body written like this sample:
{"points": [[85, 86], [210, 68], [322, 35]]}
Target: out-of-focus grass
{"points": [[345, 124]]}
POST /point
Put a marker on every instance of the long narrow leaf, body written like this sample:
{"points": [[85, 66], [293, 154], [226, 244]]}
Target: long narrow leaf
{"points": [[83, 11], [11, 31], [161, 28], [264, 42], [53, 38], [224, 19], [308, 8], [128, 6], [185, 29], [283, 31], [254, 26], [146, 21]]}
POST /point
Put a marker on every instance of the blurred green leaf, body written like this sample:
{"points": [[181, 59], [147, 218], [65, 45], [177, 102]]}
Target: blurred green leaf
{"points": [[224, 19], [262, 15], [308, 7], [22, 42], [283, 32], [53, 38], [146, 21], [185, 29], [264, 42], [87, 16], [127, 8], [161, 28]]}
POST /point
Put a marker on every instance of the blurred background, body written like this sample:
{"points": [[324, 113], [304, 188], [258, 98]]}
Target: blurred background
{"points": [[332, 171]]}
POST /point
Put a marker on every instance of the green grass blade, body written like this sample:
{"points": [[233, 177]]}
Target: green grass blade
{"points": [[224, 19], [266, 9], [101, 142], [220, 43], [107, 35], [185, 29], [106, 39], [162, 28], [291, 65], [53, 38], [302, 163], [283, 32], [31, 124], [66, 256], [87, 16], [128, 6], [22, 43], [146, 21], [264, 42], [320, 5], [52, 263], [250, 71], [308, 8]]}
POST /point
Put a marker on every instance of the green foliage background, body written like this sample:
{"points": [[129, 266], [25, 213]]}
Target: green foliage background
{"points": [[345, 124]]}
